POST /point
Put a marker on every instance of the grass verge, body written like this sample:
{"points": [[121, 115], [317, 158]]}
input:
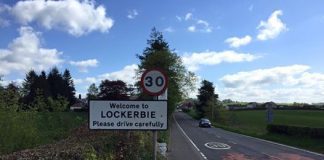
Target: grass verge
{"points": [[21, 130]]}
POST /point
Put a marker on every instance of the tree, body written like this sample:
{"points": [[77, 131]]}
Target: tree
{"points": [[39, 103], [10, 98], [29, 87], [113, 90], [58, 105], [207, 98], [56, 83], [93, 91], [68, 86], [42, 85], [159, 55]]}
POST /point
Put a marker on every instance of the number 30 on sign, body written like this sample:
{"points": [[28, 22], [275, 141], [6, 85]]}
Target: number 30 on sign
{"points": [[154, 82]]}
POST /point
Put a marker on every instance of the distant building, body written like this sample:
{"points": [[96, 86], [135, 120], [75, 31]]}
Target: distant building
{"points": [[234, 107], [251, 105], [80, 104], [270, 105]]}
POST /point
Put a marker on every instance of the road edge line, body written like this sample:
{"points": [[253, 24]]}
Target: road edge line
{"points": [[279, 144], [184, 133]]}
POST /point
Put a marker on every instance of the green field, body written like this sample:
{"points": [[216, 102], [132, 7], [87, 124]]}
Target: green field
{"points": [[21, 130], [253, 122]]}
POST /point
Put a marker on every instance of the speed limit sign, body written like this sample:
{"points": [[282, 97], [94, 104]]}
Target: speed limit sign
{"points": [[154, 82]]}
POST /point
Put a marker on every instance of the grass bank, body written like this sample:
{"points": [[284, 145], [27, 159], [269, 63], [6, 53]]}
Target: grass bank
{"points": [[65, 135], [21, 130]]}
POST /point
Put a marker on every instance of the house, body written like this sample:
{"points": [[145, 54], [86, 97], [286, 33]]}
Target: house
{"points": [[80, 104], [270, 105], [251, 105]]}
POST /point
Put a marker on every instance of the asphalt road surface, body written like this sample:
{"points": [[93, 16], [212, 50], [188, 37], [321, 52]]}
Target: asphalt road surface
{"points": [[188, 141]]}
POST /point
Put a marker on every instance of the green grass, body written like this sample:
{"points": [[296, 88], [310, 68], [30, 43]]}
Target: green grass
{"points": [[21, 130], [254, 122]]}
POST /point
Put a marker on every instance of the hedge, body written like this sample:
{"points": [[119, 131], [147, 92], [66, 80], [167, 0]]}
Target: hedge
{"points": [[296, 130]]}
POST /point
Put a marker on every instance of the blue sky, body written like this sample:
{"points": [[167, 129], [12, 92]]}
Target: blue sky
{"points": [[251, 50]]}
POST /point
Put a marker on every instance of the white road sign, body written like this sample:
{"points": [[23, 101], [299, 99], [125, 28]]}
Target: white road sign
{"points": [[129, 115], [154, 82]]}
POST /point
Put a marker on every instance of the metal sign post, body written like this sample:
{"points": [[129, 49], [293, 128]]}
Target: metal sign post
{"points": [[154, 82]]}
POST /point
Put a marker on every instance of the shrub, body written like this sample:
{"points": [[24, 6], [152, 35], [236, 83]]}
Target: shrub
{"points": [[296, 130]]}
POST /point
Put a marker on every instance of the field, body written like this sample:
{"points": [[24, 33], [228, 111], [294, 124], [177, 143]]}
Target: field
{"points": [[21, 130], [254, 123]]}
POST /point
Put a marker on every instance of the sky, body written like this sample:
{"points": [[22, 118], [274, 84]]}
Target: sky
{"points": [[252, 51]]}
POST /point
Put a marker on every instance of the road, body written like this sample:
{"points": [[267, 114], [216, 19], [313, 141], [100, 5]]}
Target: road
{"points": [[214, 144]]}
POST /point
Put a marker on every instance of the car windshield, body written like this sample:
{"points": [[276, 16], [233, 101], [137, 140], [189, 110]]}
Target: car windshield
{"points": [[205, 120]]}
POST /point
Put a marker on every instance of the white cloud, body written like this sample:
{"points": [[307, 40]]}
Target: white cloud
{"points": [[3, 9], [127, 75], [280, 84], [74, 16], [169, 29], [264, 76], [236, 42], [132, 14], [179, 18], [26, 52], [188, 16], [201, 26], [84, 65], [192, 61], [18, 82], [272, 27], [192, 28]]}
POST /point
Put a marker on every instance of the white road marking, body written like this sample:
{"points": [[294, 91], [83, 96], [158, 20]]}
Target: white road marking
{"points": [[271, 156], [232, 142], [217, 145], [184, 133]]}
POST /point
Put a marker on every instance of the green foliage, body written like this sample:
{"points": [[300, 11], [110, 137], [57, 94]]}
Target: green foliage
{"points": [[207, 100], [58, 105], [93, 91], [68, 87], [113, 90], [296, 131], [159, 55], [9, 98], [194, 114], [39, 103], [54, 92], [30, 129]]}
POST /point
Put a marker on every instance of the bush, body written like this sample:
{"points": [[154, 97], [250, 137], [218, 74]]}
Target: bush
{"points": [[296, 130]]}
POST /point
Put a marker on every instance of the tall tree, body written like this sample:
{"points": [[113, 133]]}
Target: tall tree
{"points": [[56, 83], [93, 91], [29, 89], [207, 98], [113, 90], [69, 90], [159, 55], [42, 85]]}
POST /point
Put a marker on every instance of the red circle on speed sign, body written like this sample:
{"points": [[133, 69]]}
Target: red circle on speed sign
{"points": [[154, 82]]}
